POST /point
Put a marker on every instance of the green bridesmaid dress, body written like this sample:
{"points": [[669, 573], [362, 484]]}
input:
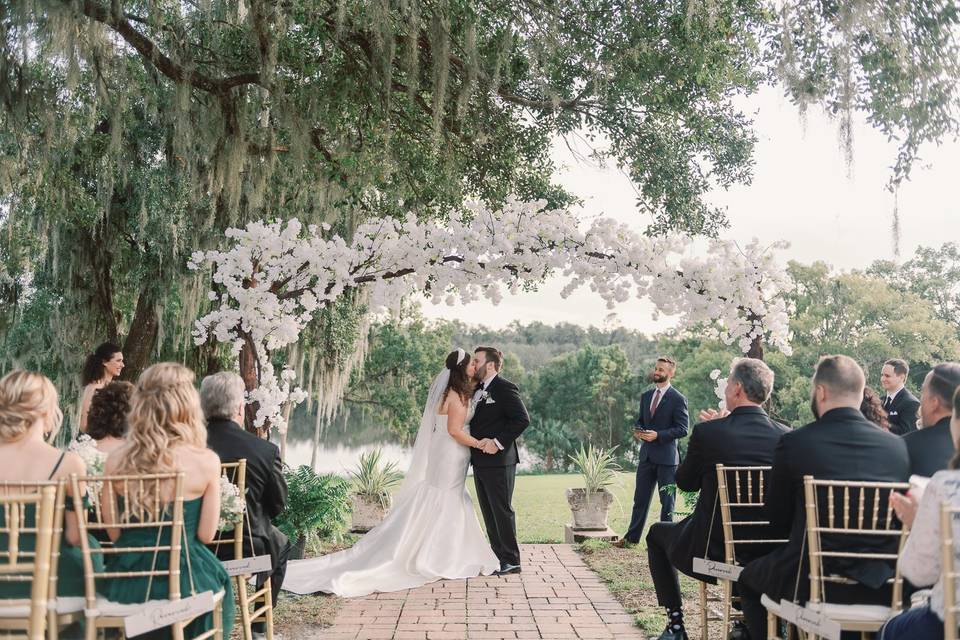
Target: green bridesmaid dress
{"points": [[70, 569], [208, 574]]}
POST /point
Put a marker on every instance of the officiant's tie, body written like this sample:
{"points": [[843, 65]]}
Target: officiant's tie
{"points": [[656, 403], [887, 403]]}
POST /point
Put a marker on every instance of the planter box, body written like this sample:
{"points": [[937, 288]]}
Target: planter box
{"points": [[366, 513], [589, 510]]}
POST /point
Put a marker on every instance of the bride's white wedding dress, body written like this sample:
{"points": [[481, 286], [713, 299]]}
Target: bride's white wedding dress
{"points": [[430, 533]]}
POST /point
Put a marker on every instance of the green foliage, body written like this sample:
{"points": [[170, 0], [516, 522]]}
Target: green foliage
{"points": [[373, 480], [403, 359], [316, 504], [597, 466]]}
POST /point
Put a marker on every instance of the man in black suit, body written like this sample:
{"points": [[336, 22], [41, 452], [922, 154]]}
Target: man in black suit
{"points": [[901, 405], [841, 444], [662, 421], [931, 448], [745, 436], [498, 420], [221, 396]]}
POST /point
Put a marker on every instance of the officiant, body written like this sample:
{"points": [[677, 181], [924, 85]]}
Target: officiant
{"points": [[663, 419]]}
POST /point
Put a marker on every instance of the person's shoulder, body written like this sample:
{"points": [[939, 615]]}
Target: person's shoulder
{"points": [[506, 384], [674, 390], [72, 463]]}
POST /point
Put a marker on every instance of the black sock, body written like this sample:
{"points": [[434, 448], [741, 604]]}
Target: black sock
{"points": [[674, 620]]}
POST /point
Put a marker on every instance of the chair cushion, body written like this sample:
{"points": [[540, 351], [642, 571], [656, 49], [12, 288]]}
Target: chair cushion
{"points": [[120, 610], [770, 605], [852, 612], [63, 605]]}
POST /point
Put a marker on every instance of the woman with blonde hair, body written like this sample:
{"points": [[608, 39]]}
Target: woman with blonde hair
{"points": [[30, 417], [166, 432]]}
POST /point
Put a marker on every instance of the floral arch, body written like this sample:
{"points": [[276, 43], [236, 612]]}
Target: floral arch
{"points": [[274, 277]]}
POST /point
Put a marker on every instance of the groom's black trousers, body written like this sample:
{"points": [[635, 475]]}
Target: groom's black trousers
{"points": [[495, 495]]}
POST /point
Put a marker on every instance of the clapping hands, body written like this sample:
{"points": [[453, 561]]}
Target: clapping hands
{"points": [[712, 414], [487, 445]]}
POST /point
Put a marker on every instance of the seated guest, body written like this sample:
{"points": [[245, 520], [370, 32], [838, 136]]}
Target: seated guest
{"points": [[872, 409], [744, 437], [29, 416], [166, 434], [931, 448], [107, 419], [222, 399], [901, 405], [841, 444], [920, 561]]}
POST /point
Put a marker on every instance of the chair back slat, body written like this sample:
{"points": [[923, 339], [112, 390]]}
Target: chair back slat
{"points": [[236, 473], [748, 483], [16, 487], [20, 564], [949, 522], [837, 510], [163, 513]]}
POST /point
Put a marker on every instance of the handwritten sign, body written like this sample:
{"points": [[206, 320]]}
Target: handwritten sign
{"points": [[810, 620], [165, 613], [717, 569], [246, 566]]}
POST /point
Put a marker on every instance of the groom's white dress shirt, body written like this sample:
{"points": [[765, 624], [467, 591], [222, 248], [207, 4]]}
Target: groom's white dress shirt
{"points": [[476, 397], [893, 394]]}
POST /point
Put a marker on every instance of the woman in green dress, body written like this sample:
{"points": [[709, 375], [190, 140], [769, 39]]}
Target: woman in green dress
{"points": [[167, 433], [30, 416]]}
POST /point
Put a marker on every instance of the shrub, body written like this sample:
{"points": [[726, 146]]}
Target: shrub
{"points": [[316, 504]]}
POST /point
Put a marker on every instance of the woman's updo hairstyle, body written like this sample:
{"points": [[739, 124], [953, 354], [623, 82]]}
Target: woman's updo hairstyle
{"points": [[25, 398], [457, 362], [93, 368]]}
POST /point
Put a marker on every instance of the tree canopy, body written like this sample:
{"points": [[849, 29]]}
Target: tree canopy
{"points": [[133, 132]]}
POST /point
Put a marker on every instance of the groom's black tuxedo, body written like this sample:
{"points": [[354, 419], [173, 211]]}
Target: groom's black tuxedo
{"points": [[499, 414]]}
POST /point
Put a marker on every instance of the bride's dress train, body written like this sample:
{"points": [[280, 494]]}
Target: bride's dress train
{"points": [[431, 532]]}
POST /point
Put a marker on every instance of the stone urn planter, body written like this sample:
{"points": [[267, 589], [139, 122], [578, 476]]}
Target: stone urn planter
{"points": [[368, 512], [589, 509]]}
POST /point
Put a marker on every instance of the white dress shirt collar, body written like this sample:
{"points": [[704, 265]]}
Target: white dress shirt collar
{"points": [[893, 394], [488, 380]]}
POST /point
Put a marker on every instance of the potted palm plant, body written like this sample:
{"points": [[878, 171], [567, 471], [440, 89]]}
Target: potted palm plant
{"points": [[317, 507], [591, 503], [372, 482]]}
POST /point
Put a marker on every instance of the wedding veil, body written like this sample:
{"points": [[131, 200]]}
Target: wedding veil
{"points": [[419, 461]]}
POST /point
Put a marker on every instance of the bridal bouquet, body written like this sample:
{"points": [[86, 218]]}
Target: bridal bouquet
{"points": [[86, 447], [232, 505]]}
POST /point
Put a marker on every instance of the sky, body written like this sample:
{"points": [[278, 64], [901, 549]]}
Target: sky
{"points": [[802, 192]]}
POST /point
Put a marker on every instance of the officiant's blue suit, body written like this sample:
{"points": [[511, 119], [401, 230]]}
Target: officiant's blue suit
{"points": [[658, 460]]}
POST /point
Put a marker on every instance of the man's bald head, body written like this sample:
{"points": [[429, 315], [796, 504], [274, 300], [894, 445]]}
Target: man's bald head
{"points": [[838, 381]]}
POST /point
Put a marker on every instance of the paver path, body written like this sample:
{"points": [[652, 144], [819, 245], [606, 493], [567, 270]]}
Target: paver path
{"points": [[556, 596]]}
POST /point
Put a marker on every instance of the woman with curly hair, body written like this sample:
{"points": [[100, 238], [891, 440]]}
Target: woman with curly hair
{"points": [[167, 433], [107, 419], [99, 369], [872, 409]]}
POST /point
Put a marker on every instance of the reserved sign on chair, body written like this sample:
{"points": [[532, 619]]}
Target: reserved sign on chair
{"points": [[164, 613], [810, 620], [717, 569], [246, 566]]}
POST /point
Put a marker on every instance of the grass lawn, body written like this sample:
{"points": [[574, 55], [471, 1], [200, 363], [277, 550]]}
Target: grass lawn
{"points": [[540, 503]]}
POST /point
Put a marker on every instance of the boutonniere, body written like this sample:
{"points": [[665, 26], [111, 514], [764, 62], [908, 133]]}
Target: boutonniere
{"points": [[484, 395]]}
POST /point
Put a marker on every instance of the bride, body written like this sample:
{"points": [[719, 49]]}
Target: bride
{"points": [[432, 532]]}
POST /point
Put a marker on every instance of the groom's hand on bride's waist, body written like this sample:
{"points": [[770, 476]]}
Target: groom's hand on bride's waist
{"points": [[490, 447]]}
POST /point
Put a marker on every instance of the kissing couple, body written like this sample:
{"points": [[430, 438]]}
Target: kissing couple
{"points": [[473, 415]]}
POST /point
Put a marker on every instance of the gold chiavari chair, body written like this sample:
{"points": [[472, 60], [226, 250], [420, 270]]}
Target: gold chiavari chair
{"points": [[948, 570], [842, 509], [257, 606], [26, 536], [163, 515], [740, 494], [62, 611]]}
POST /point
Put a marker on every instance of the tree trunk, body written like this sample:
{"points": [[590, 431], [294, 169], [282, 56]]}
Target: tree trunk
{"points": [[756, 349], [251, 380], [141, 340]]}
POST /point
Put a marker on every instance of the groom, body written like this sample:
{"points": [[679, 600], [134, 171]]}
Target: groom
{"points": [[498, 420]]}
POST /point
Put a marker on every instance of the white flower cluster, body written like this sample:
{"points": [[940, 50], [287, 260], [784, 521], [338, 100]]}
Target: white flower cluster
{"points": [[232, 505], [86, 447], [275, 276], [720, 389]]}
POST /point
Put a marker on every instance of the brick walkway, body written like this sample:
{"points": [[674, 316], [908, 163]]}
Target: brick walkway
{"points": [[556, 596]]}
